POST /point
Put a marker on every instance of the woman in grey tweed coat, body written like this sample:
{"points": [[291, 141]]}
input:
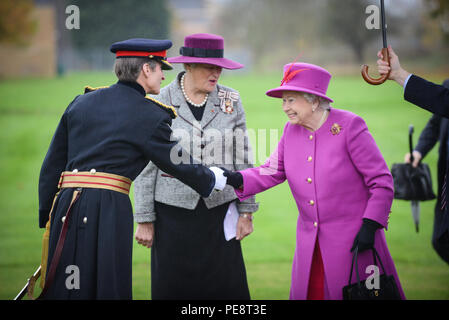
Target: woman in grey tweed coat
{"points": [[190, 256]]}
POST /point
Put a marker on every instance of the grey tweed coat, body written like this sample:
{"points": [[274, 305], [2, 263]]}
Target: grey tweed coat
{"points": [[220, 139]]}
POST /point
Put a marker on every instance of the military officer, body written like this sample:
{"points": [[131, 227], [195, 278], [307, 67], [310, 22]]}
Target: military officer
{"points": [[104, 139]]}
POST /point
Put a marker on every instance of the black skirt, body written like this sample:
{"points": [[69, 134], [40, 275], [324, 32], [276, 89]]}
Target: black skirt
{"points": [[191, 259]]}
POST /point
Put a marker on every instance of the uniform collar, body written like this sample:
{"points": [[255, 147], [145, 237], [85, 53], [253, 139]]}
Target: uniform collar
{"points": [[134, 85]]}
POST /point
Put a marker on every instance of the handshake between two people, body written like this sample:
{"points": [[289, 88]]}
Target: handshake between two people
{"points": [[224, 176], [234, 179], [144, 234]]}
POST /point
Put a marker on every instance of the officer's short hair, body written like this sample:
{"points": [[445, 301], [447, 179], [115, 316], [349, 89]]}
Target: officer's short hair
{"points": [[128, 69]]}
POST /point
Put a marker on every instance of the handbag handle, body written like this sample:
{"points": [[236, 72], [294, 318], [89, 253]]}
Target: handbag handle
{"points": [[376, 254], [410, 141], [354, 259]]}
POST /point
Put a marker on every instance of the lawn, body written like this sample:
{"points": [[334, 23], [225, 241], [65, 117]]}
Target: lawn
{"points": [[30, 110]]}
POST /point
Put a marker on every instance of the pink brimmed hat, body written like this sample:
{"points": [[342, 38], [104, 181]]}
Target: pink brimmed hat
{"points": [[303, 77], [204, 48]]}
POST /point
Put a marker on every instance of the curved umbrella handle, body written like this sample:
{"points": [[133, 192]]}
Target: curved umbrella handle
{"points": [[383, 78]]}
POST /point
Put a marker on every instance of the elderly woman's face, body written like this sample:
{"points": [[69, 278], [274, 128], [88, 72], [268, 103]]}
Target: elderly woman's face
{"points": [[296, 107], [204, 76]]}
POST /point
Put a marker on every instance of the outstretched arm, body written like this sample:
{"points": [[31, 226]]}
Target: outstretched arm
{"points": [[423, 93], [268, 175], [163, 153]]}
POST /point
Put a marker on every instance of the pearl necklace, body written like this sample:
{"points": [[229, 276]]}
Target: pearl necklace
{"points": [[198, 105]]}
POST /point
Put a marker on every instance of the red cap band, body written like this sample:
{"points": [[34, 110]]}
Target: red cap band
{"points": [[162, 54]]}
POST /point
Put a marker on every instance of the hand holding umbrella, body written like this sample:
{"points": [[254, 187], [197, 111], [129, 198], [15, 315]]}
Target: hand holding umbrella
{"points": [[393, 68]]}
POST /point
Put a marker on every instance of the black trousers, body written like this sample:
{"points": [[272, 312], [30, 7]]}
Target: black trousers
{"points": [[440, 236]]}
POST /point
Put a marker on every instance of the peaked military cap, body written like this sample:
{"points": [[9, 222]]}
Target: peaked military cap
{"points": [[141, 47]]}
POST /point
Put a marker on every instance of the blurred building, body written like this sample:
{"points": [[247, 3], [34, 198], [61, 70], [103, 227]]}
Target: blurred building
{"points": [[192, 16], [38, 56], [201, 16]]}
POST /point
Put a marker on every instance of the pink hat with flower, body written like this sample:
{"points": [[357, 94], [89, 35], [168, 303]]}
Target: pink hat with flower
{"points": [[303, 77]]}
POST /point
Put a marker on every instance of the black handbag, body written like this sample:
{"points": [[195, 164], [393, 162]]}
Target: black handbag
{"points": [[412, 183], [387, 290]]}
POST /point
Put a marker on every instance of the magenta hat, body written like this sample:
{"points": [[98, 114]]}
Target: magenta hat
{"points": [[204, 48], [303, 77]]}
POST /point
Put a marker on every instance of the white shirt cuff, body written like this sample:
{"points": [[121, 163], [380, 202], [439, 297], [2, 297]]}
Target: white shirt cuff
{"points": [[406, 80], [220, 179]]}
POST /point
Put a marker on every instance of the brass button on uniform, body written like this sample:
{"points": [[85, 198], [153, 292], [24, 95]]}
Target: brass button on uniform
{"points": [[85, 220], [309, 158], [93, 171], [311, 137], [309, 180], [63, 219], [75, 171], [311, 202], [315, 224]]}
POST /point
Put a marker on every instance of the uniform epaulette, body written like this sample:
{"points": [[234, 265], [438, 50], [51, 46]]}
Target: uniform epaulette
{"points": [[90, 89], [171, 110]]}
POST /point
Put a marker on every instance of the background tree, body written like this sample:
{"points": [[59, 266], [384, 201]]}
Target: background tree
{"points": [[272, 30], [103, 22], [16, 23], [345, 21], [439, 9]]}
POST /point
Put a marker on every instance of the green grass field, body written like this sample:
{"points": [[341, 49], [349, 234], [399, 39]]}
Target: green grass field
{"points": [[30, 110]]}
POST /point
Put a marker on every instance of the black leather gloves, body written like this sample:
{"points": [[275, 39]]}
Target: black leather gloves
{"points": [[365, 238], [235, 179]]}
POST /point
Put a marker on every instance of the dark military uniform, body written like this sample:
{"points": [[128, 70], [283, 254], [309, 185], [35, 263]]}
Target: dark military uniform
{"points": [[114, 130]]}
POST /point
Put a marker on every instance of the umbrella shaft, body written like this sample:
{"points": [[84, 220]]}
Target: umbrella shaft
{"points": [[384, 24]]}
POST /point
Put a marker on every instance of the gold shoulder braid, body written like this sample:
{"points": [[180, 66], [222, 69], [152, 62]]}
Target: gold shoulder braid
{"points": [[167, 108], [88, 89]]}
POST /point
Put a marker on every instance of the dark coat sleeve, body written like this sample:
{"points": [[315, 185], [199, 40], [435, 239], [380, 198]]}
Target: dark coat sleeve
{"points": [[163, 153], [54, 163], [429, 136], [427, 95]]}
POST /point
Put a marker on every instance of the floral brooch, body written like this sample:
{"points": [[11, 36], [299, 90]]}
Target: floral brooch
{"points": [[335, 129]]}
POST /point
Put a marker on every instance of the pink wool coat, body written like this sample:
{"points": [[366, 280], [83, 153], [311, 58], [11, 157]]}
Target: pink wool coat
{"points": [[338, 177]]}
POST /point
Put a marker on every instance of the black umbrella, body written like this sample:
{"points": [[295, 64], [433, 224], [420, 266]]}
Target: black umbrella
{"points": [[386, 57], [413, 184], [416, 210]]}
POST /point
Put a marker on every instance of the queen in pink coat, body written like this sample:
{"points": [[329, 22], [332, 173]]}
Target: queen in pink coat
{"points": [[339, 180]]}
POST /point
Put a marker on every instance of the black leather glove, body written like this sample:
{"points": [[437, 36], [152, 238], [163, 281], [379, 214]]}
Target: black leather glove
{"points": [[365, 238], [235, 179]]}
